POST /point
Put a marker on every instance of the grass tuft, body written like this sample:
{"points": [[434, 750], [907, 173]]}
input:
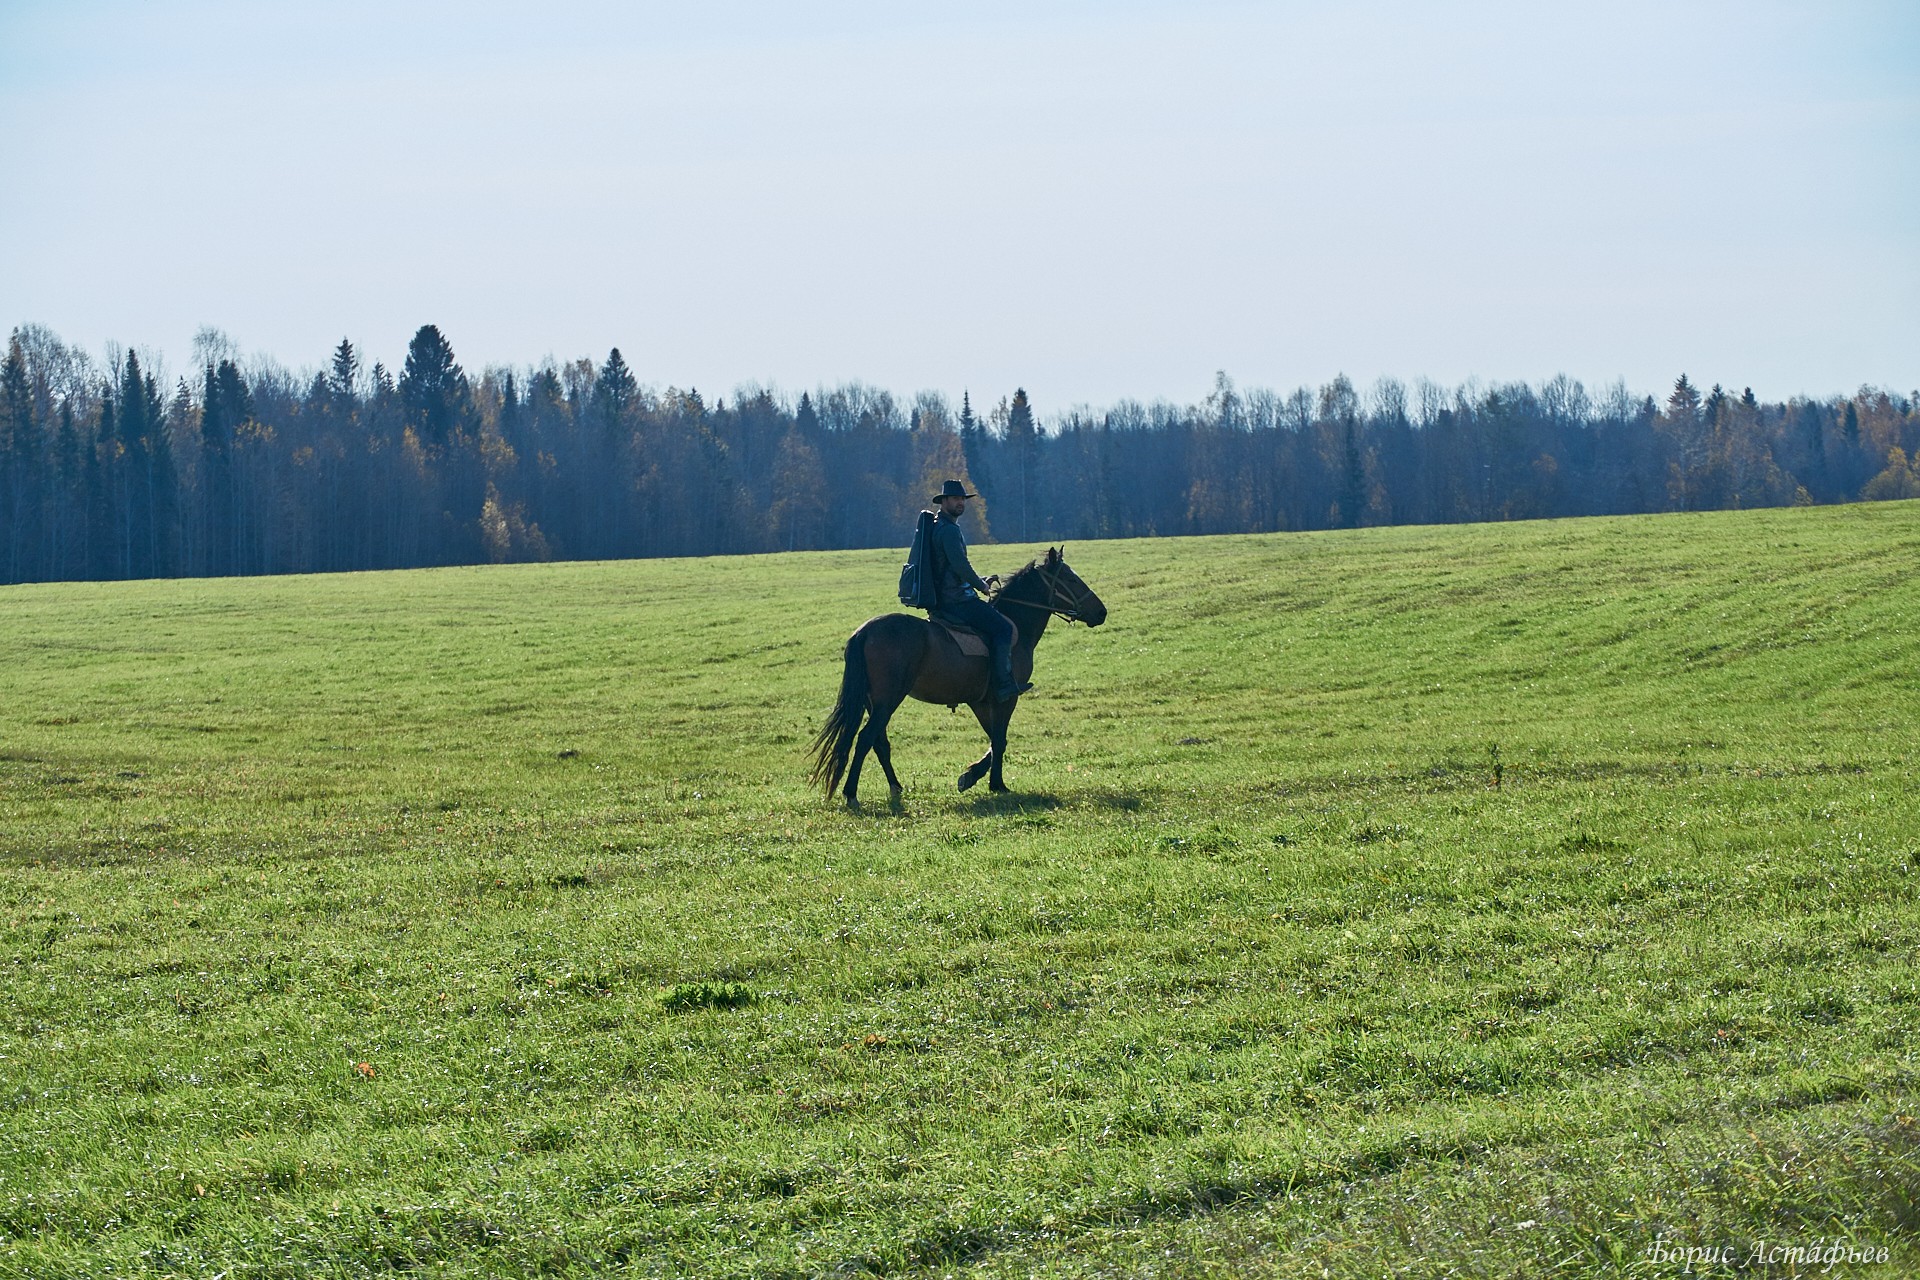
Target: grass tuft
{"points": [[683, 996]]}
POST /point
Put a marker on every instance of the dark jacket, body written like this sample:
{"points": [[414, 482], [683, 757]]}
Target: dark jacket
{"points": [[955, 571]]}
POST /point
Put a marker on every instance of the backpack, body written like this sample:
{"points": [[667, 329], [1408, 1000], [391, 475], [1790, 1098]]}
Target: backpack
{"points": [[918, 587]]}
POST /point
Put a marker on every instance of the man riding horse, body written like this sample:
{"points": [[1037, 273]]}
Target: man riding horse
{"points": [[960, 593], [897, 656]]}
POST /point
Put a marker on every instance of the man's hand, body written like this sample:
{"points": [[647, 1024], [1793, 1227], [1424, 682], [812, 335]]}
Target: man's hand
{"points": [[993, 581]]}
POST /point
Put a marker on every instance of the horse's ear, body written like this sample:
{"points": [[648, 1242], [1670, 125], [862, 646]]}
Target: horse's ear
{"points": [[1053, 555]]}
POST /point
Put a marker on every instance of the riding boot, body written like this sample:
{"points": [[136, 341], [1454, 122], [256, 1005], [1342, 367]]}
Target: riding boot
{"points": [[1005, 687]]}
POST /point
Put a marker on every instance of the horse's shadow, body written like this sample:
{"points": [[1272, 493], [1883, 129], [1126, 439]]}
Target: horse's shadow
{"points": [[895, 807], [1010, 802], [1013, 804]]}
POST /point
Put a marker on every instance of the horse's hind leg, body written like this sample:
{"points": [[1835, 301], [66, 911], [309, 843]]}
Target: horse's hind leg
{"points": [[862, 743], [883, 700], [874, 738], [883, 752]]}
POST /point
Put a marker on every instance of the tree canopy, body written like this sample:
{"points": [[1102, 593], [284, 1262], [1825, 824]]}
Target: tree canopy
{"points": [[255, 469]]}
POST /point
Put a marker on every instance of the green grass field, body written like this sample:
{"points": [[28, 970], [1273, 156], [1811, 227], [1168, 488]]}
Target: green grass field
{"points": [[1516, 900]]}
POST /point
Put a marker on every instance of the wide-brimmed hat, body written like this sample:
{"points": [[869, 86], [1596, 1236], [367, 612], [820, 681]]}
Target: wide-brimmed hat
{"points": [[953, 489]]}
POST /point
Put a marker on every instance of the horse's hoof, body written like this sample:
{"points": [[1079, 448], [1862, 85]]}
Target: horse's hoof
{"points": [[1000, 787], [967, 780], [853, 805]]}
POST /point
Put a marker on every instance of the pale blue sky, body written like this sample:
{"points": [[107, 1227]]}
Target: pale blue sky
{"points": [[1093, 200]]}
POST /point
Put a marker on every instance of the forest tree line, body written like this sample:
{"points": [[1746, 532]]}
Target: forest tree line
{"points": [[248, 468]]}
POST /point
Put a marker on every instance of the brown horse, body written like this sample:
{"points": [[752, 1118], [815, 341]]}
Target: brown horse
{"points": [[897, 656]]}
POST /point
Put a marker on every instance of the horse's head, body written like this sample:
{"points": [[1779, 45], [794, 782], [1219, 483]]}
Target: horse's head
{"points": [[1068, 596]]}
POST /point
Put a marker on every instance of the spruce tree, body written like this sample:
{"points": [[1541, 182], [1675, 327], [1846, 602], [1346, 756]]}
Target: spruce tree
{"points": [[1023, 444], [1683, 406], [510, 412], [1715, 408], [1353, 476], [1683, 429], [615, 390], [134, 488], [433, 387], [975, 446], [67, 519], [225, 404], [615, 394], [163, 483], [105, 467], [22, 470], [343, 380]]}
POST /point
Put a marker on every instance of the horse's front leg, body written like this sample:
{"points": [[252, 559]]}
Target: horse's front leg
{"points": [[993, 719], [998, 755], [977, 770]]}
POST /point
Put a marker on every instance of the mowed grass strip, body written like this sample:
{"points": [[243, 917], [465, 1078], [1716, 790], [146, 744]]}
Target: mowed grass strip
{"points": [[1487, 900]]}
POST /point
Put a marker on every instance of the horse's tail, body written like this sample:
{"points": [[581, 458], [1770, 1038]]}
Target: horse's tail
{"points": [[834, 743]]}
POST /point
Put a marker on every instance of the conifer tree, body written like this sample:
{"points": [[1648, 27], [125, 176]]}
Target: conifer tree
{"points": [[1682, 426], [136, 477], [343, 379], [975, 445], [615, 396], [106, 497], [163, 486], [1023, 448], [1683, 406], [510, 414], [614, 391], [22, 470], [224, 406], [67, 518], [433, 387], [1353, 476], [1714, 409]]}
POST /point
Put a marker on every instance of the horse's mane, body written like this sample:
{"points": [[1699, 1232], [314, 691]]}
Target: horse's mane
{"points": [[1031, 566], [1019, 576]]}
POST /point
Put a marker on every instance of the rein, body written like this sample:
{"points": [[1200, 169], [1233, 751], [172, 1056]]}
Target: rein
{"points": [[1054, 597]]}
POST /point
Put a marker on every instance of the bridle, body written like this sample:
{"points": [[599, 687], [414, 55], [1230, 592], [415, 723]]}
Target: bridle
{"points": [[1056, 594]]}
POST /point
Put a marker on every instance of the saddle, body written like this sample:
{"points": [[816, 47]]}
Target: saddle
{"points": [[971, 642]]}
